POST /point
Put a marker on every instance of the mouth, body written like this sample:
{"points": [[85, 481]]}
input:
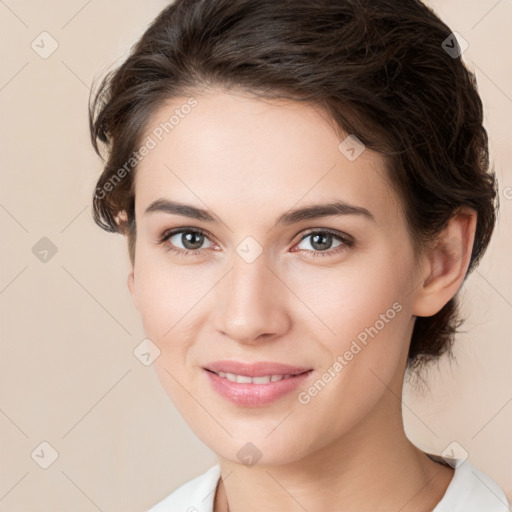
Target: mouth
{"points": [[259, 369], [255, 385], [263, 379]]}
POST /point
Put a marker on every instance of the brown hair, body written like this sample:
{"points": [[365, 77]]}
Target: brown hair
{"points": [[381, 69]]}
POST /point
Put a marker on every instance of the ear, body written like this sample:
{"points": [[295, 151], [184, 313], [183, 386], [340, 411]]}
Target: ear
{"points": [[446, 264], [131, 287]]}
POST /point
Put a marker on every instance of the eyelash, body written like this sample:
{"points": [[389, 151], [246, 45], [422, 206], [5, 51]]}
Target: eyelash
{"points": [[347, 242]]}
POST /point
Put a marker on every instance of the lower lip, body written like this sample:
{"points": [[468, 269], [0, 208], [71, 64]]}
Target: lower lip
{"points": [[255, 395]]}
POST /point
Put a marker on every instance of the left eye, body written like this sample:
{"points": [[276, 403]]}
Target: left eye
{"points": [[321, 241]]}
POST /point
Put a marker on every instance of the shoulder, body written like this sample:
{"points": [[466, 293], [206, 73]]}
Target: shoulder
{"points": [[196, 495], [471, 490]]}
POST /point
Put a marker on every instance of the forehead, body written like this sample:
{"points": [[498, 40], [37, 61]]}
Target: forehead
{"points": [[259, 154]]}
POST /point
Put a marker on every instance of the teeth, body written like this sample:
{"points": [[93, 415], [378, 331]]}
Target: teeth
{"points": [[244, 379]]}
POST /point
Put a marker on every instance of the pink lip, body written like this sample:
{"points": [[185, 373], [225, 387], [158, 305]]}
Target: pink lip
{"points": [[255, 395], [255, 369]]}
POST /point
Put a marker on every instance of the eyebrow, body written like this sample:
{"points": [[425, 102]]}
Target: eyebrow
{"points": [[289, 217]]}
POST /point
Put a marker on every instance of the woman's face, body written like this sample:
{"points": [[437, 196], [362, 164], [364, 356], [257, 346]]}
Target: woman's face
{"points": [[329, 293]]}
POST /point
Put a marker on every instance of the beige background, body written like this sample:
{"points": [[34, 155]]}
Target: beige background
{"points": [[68, 375]]}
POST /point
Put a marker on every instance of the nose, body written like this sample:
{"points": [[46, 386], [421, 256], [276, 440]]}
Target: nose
{"points": [[251, 303]]}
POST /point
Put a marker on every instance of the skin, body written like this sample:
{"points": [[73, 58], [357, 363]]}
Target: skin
{"points": [[249, 161]]}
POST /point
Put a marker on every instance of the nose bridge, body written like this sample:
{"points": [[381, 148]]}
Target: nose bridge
{"points": [[251, 301], [249, 277]]}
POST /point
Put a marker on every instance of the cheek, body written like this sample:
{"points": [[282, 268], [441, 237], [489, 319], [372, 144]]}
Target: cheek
{"points": [[352, 296], [167, 293], [363, 356], [170, 299], [173, 300], [363, 317]]}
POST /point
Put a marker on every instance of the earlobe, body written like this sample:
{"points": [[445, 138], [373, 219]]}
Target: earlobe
{"points": [[446, 264]]}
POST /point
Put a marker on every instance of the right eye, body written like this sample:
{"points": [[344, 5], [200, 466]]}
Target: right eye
{"points": [[190, 239]]}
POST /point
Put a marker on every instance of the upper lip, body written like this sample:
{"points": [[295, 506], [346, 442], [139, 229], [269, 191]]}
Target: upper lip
{"points": [[259, 369]]}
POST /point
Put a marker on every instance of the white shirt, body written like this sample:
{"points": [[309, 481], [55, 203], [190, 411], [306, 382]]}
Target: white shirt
{"points": [[470, 490]]}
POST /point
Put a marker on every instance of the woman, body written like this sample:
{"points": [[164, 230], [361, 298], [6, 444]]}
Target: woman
{"points": [[304, 187]]}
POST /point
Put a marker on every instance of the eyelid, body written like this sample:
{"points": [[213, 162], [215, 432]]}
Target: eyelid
{"points": [[339, 234]]}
